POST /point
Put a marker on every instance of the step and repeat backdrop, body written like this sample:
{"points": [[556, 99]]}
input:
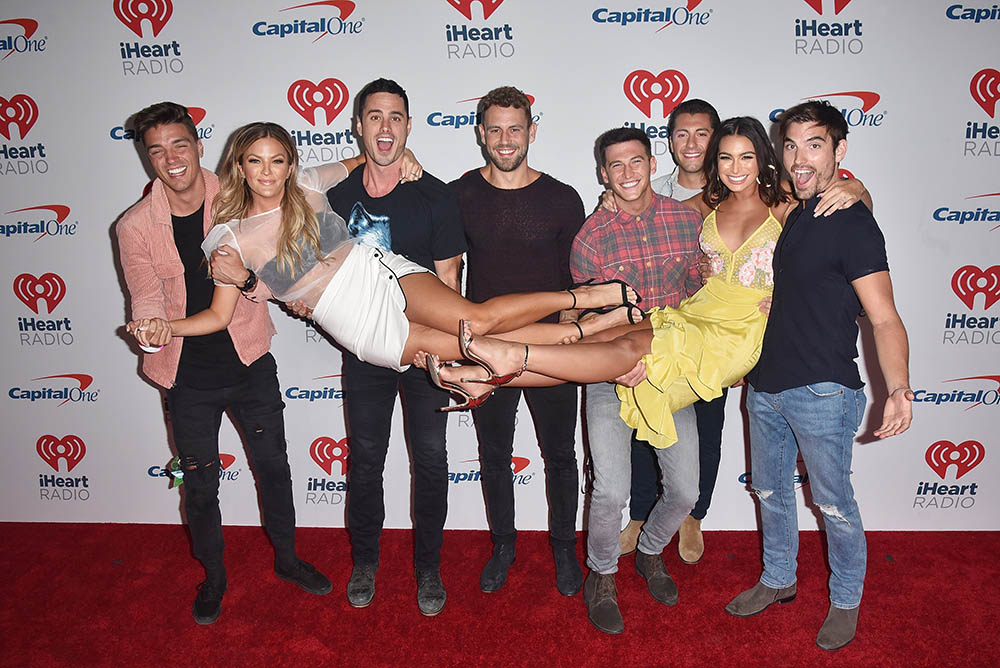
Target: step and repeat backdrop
{"points": [[84, 438]]}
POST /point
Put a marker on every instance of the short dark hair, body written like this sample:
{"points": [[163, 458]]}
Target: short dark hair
{"points": [[768, 174], [382, 86], [694, 106], [620, 136], [162, 113], [820, 112], [504, 96]]}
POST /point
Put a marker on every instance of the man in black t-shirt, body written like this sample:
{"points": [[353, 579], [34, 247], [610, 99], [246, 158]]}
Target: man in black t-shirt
{"points": [[520, 224], [805, 393], [420, 221]]}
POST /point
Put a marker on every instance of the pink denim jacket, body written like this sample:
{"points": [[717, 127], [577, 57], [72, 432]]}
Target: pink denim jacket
{"points": [[154, 274]]}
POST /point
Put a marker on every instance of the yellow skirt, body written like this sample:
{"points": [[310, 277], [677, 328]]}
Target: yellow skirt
{"points": [[709, 342]]}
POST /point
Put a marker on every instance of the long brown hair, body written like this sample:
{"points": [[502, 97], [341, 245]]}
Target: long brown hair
{"points": [[769, 189], [299, 226]]}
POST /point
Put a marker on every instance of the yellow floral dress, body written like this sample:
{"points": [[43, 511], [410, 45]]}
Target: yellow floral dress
{"points": [[711, 340]]}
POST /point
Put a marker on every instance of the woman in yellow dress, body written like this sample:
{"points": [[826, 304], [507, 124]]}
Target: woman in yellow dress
{"points": [[709, 342]]}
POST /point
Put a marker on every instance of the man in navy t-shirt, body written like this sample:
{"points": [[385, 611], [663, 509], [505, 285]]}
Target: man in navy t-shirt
{"points": [[805, 393]]}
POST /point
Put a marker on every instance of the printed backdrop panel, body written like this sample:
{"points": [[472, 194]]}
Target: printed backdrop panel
{"points": [[85, 436]]}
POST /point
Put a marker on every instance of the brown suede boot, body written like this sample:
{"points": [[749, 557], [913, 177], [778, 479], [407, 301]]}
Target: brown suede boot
{"points": [[690, 543], [756, 599], [838, 629], [601, 597], [629, 538]]}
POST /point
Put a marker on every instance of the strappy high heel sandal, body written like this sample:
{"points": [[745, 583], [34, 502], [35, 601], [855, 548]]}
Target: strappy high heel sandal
{"points": [[593, 282], [470, 402], [634, 313], [494, 379]]}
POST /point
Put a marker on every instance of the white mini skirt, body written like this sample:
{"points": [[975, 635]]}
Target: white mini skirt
{"points": [[363, 307]]}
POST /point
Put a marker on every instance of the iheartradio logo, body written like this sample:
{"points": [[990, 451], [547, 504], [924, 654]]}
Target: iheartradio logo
{"points": [[965, 456], [330, 95], [670, 87], [465, 7], [970, 281], [133, 12], [69, 448], [817, 5], [325, 451], [985, 89], [49, 288], [20, 110]]}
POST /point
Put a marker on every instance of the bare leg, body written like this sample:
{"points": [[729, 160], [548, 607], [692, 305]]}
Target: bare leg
{"points": [[430, 302]]}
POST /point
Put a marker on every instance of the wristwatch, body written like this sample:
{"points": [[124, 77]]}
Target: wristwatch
{"points": [[250, 283]]}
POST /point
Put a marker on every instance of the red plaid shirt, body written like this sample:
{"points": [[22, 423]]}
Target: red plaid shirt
{"points": [[655, 252]]}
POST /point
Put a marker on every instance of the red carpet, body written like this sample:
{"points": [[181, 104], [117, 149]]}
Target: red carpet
{"points": [[120, 595]]}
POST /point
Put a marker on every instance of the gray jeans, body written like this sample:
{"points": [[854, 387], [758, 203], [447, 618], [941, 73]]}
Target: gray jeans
{"points": [[611, 453]]}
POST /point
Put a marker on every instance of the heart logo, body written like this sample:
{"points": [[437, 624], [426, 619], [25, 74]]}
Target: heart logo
{"points": [[465, 7], [670, 87], [985, 89], [330, 95], [970, 281], [838, 5], [20, 110], [964, 457], [49, 288], [69, 448], [325, 451], [132, 12]]}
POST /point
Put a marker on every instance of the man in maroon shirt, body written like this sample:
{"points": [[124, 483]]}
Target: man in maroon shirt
{"points": [[520, 224], [651, 243]]}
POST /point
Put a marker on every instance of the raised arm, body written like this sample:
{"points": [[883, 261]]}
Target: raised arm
{"points": [[892, 347], [841, 194]]}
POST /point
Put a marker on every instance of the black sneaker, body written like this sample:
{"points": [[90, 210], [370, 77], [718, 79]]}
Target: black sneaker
{"points": [[208, 602], [431, 595], [306, 576], [361, 586]]}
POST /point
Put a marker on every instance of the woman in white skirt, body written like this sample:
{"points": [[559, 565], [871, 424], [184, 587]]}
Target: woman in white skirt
{"points": [[379, 305]]}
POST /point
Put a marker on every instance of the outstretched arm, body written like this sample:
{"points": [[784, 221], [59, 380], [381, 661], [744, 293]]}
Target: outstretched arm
{"points": [[892, 347], [158, 332]]}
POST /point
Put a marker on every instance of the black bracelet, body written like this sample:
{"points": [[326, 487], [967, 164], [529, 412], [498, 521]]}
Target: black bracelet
{"points": [[250, 283]]}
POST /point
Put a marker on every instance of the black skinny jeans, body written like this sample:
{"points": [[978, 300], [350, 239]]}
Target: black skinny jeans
{"points": [[256, 407], [370, 393], [554, 410]]}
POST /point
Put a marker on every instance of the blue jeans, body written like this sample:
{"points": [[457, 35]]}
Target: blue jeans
{"points": [[610, 442], [819, 421]]}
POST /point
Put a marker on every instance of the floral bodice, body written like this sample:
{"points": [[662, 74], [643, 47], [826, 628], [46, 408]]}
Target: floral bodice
{"points": [[750, 264]]}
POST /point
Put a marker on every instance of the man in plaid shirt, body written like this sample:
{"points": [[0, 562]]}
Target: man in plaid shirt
{"points": [[651, 243]]}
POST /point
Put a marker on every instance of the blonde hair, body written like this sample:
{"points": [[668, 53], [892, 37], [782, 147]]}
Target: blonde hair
{"points": [[299, 226]]}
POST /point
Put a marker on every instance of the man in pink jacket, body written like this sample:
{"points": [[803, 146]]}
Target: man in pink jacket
{"points": [[160, 243]]}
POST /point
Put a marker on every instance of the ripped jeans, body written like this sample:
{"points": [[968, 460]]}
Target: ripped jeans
{"points": [[819, 421], [195, 416]]}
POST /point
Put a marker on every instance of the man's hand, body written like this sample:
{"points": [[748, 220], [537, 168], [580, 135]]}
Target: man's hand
{"points": [[765, 305], [300, 309], [227, 267], [898, 413], [151, 331], [634, 377], [608, 201], [705, 268]]}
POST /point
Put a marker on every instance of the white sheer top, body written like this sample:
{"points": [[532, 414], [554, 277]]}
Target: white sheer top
{"points": [[256, 240]]}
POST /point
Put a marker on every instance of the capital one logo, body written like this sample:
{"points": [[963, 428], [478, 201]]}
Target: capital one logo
{"points": [[133, 12], [985, 89], [868, 98], [670, 87], [226, 460], [70, 449], [465, 7], [61, 212], [48, 288], [20, 110], [517, 464], [325, 451], [817, 5], [29, 26], [965, 456], [970, 281], [346, 7], [330, 95]]}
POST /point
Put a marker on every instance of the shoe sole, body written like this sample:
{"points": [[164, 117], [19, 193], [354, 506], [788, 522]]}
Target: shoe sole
{"points": [[691, 563], [317, 592], [610, 632], [205, 621], [431, 614], [361, 605], [780, 601]]}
